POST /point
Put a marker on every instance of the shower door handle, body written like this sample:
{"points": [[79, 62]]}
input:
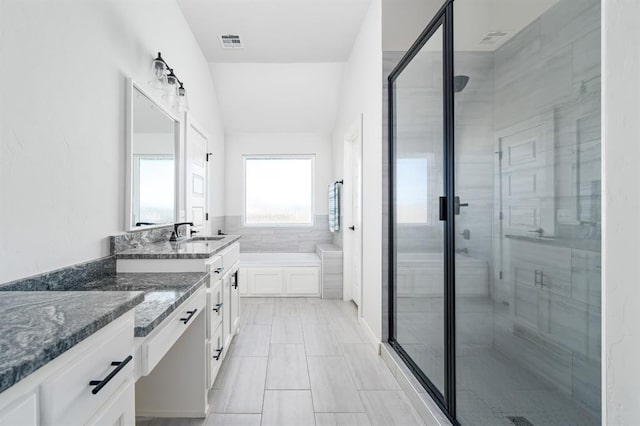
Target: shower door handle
{"points": [[458, 204]]}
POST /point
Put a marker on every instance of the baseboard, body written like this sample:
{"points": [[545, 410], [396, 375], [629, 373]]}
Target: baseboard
{"points": [[371, 336], [173, 414], [420, 399]]}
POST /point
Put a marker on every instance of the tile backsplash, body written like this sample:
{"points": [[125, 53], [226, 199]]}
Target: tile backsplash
{"points": [[279, 239]]}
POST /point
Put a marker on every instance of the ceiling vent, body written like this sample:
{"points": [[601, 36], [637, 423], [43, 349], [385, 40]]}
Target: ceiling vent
{"points": [[230, 41], [494, 38]]}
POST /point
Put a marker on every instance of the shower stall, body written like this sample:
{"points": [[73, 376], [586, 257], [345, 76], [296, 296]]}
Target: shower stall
{"points": [[494, 218]]}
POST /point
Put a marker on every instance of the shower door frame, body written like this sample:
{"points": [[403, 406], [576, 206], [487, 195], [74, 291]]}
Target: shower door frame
{"points": [[447, 401]]}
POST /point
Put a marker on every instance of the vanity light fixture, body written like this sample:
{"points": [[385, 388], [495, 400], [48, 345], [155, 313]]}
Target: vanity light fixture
{"points": [[166, 79]]}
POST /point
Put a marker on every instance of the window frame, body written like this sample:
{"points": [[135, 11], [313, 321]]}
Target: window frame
{"points": [[246, 157]]}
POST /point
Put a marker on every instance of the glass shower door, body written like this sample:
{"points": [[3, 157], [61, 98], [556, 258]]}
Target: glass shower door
{"points": [[418, 234]]}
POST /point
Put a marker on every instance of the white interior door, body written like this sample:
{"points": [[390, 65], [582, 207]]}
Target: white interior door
{"points": [[354, 141], [196, 177]]}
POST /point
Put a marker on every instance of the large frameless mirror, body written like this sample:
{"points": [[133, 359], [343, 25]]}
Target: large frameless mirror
{"points": [[152, 150]]}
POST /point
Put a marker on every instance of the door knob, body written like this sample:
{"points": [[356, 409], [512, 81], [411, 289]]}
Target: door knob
{"points": [[353, 228]]}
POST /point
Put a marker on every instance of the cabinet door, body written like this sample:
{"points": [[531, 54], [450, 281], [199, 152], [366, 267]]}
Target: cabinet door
{"points": [[22, 412], [226, 309], [527, 304], [120, 410], [235, 301], [302, 281], [265, 281]]}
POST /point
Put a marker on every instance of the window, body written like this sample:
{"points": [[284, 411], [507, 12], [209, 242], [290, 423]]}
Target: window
{"points": [[412, 192], [279, 190]]}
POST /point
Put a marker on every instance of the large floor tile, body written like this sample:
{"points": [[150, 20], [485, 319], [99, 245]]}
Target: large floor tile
{"points": [[332, 388], [389, 408], [319, 340], [287, 367], [287, 408], [253, 340], [368, 369], [286, 329], [216, 419], [240, 389], [342, 419], [261, 314]]}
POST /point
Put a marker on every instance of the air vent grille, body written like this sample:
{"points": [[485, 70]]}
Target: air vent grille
{"points": [[230, 41], [493, 38]]}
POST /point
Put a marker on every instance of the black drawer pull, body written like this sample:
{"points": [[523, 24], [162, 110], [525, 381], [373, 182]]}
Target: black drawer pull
{"points": [[218, 270], [191, 314], [217, 357], [218, 307], [235, 280], [99, 384]]}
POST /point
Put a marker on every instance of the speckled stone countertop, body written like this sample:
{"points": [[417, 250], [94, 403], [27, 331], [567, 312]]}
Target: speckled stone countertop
{"points": [[38, 326], [163, 293], [188, 249]]}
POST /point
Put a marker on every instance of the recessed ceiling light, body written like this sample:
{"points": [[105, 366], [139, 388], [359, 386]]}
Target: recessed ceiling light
{"points": [[230, 41]]}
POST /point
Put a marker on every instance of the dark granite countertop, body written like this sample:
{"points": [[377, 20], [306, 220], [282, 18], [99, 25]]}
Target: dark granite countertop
{"points": [[163, 293], [38, 326], [579, 244], [188, 249]]}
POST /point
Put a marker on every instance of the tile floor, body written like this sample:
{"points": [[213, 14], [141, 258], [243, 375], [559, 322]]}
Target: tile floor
{"points": [[302, 362]]}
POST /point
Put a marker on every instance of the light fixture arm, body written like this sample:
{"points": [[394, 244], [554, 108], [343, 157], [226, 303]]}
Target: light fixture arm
{"points": [[171, 70]]}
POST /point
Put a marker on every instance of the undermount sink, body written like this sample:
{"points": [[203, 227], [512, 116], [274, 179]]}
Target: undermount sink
{"points": [[216, 238]]}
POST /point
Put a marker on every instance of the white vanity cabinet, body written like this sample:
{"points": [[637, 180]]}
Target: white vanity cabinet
{"points": [[92, 383], [223, 307]]}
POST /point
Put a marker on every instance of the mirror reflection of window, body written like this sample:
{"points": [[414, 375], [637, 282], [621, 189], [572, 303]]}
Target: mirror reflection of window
{"points": [[154, 186]]}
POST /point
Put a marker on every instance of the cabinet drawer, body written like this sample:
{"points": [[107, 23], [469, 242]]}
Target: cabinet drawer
{"points": [[67, 398], [230, 256], [23, 412], [216, 270], [158, 344], [216, 352], [214, 308], [120, 410], [302, 281]]}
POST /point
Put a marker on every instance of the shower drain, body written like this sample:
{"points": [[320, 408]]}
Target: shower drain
{"points": [[519, 421]]}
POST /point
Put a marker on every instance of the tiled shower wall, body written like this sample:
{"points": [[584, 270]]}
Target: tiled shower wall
{"points": [[279, 239]]}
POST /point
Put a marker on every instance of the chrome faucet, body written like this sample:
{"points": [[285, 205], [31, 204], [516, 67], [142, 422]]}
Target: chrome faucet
{"points": [[176, 234]]}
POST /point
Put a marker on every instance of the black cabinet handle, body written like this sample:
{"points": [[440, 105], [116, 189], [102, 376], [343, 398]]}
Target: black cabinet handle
{"points": [[99, 384], [191, 314], [235, 280], [218, 270], [217, 357], [353, 228], [218, 306]]}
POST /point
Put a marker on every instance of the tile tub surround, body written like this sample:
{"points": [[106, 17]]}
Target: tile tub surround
{"points": [[39, 326], [331, 258], [280, 239], [70, 276], [186, 249], [163, 293]]}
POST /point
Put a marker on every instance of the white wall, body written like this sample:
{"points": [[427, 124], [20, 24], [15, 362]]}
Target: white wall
{"points": [[62, 121], [280, 98], [276, 143], [362, 94], [621, 204]]}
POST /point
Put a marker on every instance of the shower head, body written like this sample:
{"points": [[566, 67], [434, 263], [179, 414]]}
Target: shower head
{"points": [[460, 82]]}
